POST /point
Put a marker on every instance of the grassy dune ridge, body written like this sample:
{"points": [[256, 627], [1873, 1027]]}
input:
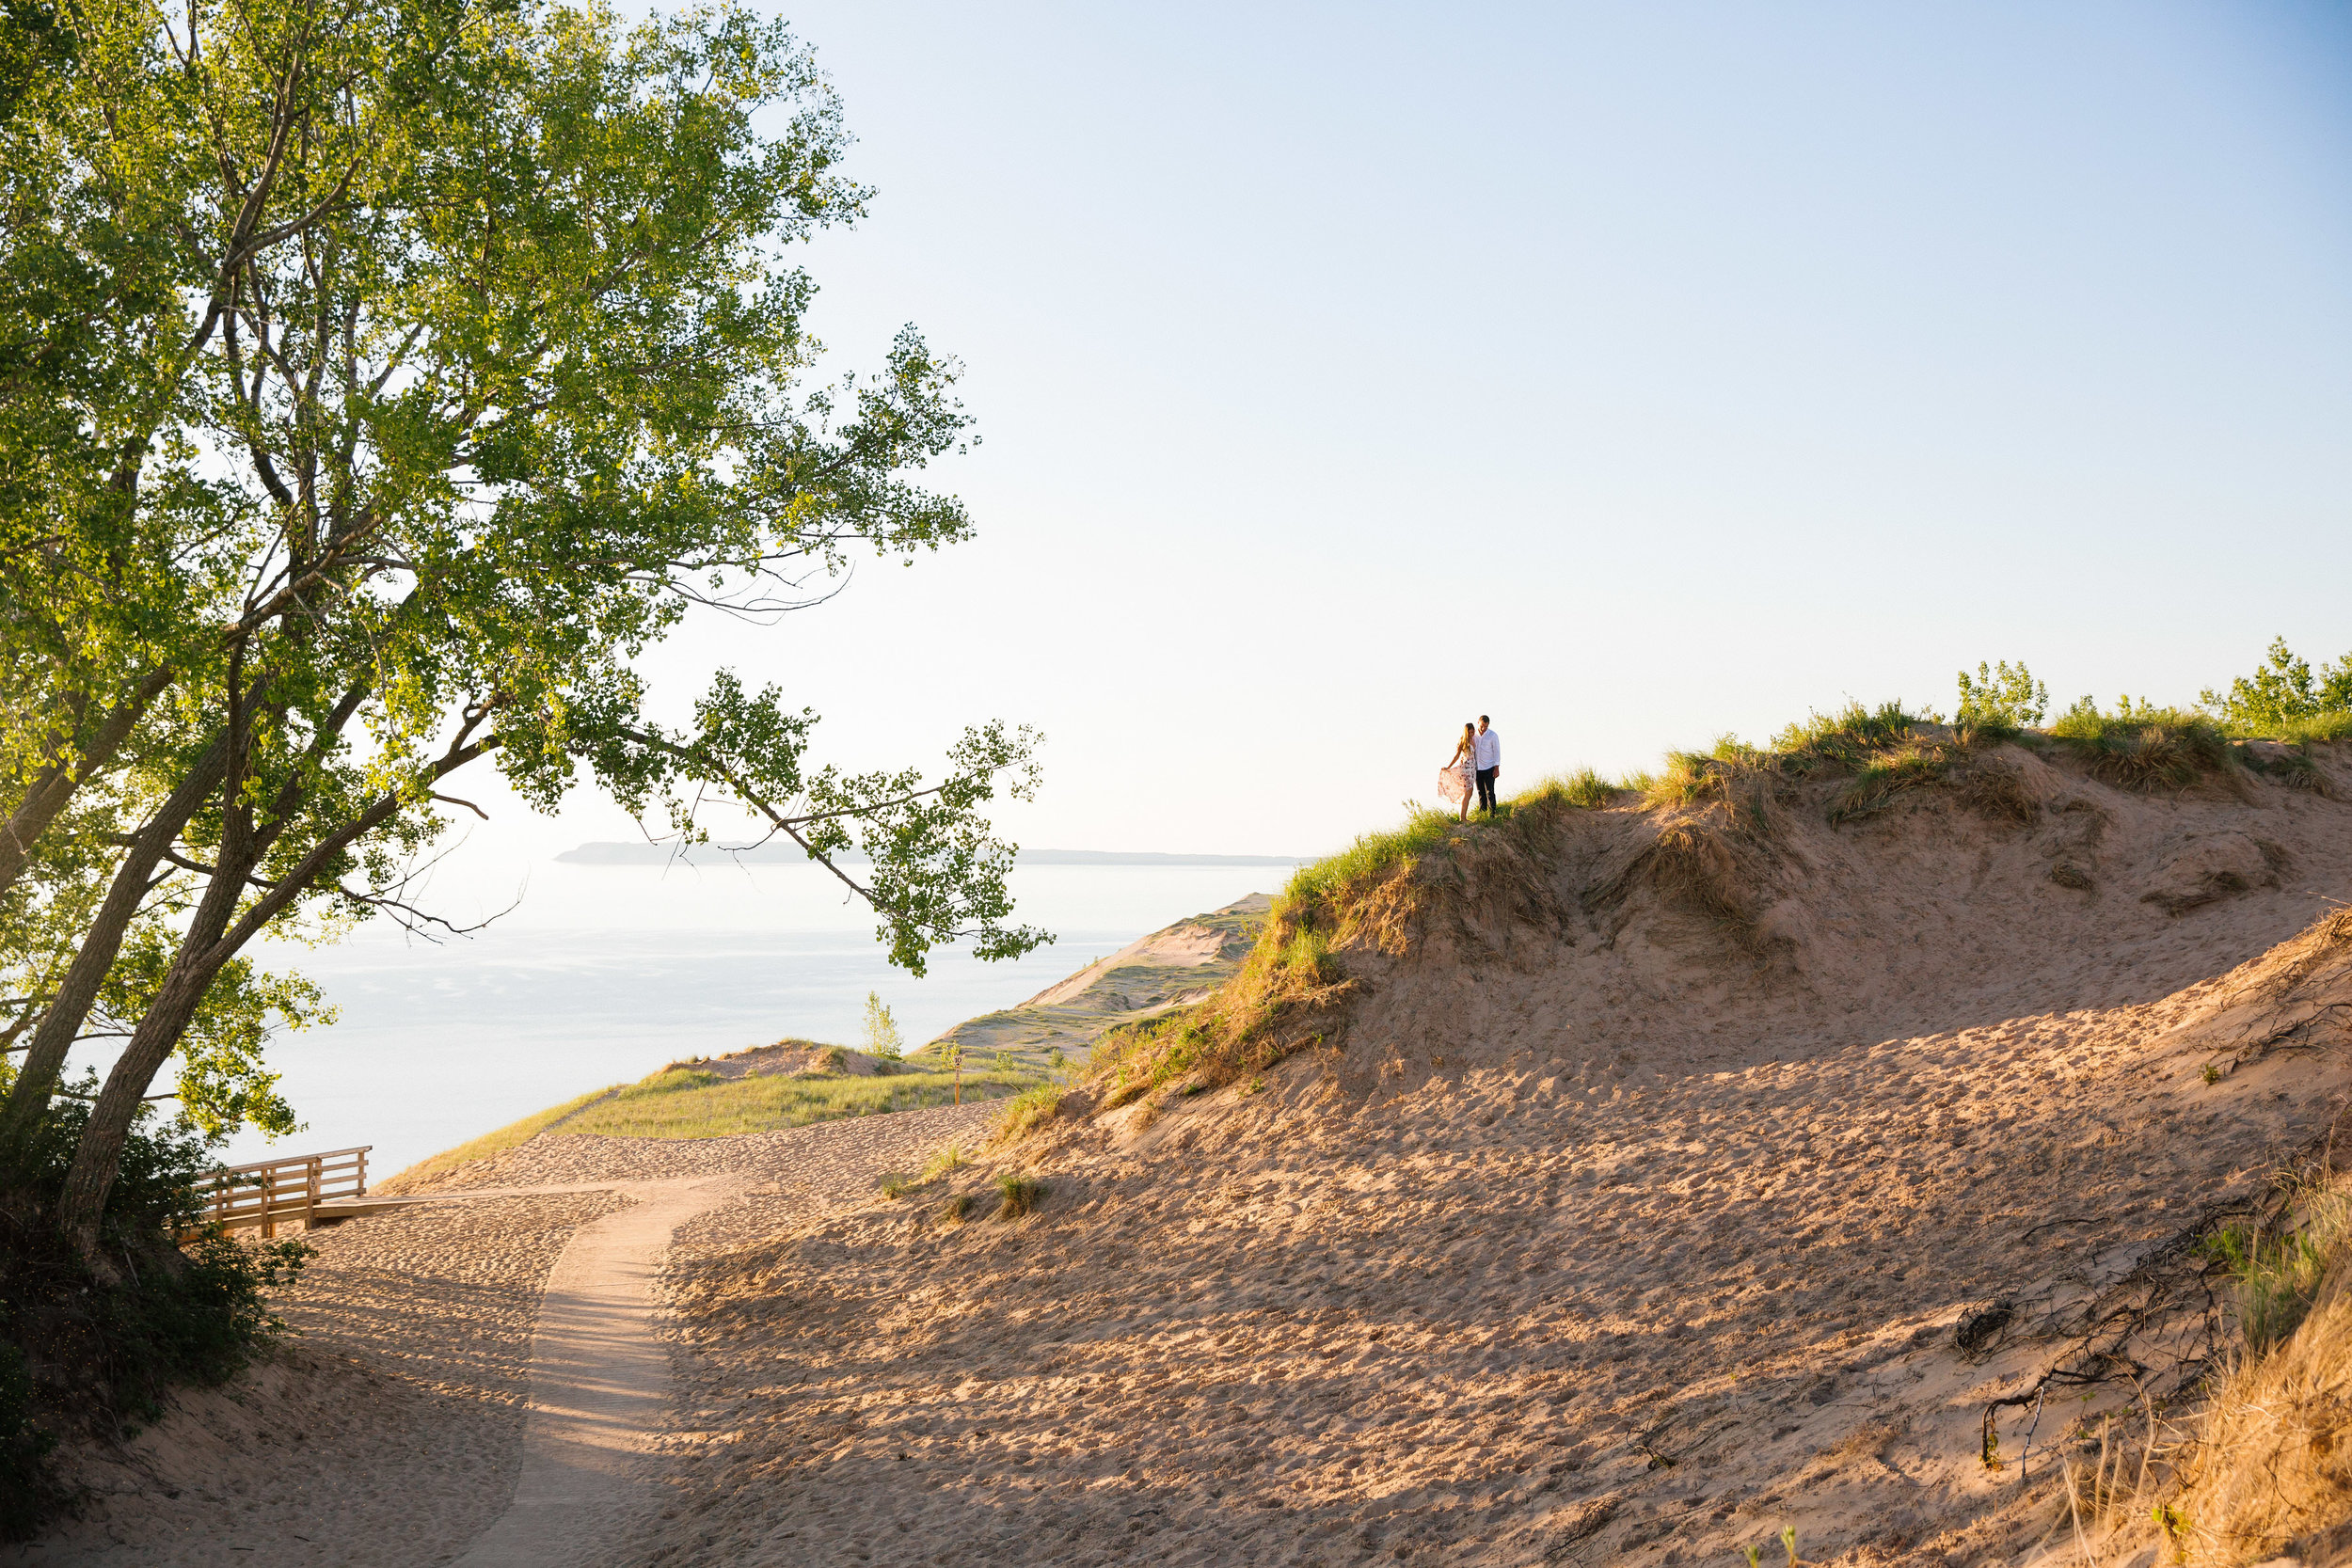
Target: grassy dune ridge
{"points": [[681, 1102]]}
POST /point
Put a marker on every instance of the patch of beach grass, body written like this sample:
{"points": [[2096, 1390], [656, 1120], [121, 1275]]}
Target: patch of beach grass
{"points": [[1019, 1195], [1848, 738], [1879, 782], [683, 1103], [2264, 1467], [1585, 789], [1028, 1111], [1371, 858], [489, 1144], [2142, 747], [2335, 724]]}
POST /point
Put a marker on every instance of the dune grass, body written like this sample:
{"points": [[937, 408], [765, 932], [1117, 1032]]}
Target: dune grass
{"points": [[1371, 857], [1848, 738], [1583, 788], [1018, 1194], [1267, 1010], [2263, 1468], [2334, 724], [1886, 775], [1028, 1111], [681, 1102], [2140, 747], [489, 1144]]}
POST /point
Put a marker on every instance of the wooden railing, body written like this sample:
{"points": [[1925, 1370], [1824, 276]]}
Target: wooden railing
{"points": [[269, 1191]]}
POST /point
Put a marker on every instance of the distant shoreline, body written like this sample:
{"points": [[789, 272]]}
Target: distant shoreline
{"points": [[608, 853]]}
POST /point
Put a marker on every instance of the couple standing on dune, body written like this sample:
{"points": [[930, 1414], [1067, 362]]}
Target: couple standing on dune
{"points": [[1477, 759]]}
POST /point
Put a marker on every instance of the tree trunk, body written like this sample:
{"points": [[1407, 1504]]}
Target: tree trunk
{"points": [[211, 941], [61, 1021], [99, 1156]]}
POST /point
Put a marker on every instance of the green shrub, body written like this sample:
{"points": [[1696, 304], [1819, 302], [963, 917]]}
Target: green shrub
{"points": [[109, 1349], [882, 1040], [2001, 699], [2285, 699]]}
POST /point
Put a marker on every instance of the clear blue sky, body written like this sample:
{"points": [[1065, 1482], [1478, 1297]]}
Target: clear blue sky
{"points": [[1633, 373]]}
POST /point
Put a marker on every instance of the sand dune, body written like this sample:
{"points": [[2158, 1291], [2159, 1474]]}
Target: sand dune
{"points": [[1671, 1179], [1610, 1224]]}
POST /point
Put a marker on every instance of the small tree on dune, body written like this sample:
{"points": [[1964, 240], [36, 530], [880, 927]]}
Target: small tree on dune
{"points": [[2283, 692], [882, 1039], [2001, 695]]}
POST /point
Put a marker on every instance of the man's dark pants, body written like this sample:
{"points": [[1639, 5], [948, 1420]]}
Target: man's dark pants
{"points": [[1486, 790]]}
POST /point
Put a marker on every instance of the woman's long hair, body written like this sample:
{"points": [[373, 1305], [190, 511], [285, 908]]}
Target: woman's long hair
{"points": [[1470, 737]]}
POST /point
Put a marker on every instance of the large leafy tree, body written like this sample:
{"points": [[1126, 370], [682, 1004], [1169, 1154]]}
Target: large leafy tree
{"points": [[467, 364]]}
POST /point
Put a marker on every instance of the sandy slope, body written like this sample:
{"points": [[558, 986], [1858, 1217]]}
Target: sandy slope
{"points": [[1176, 964], [391, 1430], [385, 1434], [1597, 1235]]}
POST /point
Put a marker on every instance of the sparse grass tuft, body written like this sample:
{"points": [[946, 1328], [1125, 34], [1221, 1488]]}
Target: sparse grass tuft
{"points": [[1583, 789], [897, 1185], [2275, 1277], [1997, 791], [2295, 769], [1887, 775], [957, 1209], [1028, 1110], [1696, 868], [949, 1159], [1021, 1195], [1848, 738], [2139, 747]]}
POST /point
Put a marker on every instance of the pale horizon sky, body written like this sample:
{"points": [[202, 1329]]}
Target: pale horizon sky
{"points": [[1635, 375]]}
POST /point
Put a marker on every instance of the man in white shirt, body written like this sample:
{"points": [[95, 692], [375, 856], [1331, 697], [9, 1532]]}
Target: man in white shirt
{"points": [[1489, 763]]}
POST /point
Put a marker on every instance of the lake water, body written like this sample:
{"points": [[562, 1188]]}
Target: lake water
{"points": [[603, 973]]}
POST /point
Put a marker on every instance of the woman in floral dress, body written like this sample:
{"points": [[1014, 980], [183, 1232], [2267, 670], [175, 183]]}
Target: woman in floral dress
{"points": [[1458, 780]]}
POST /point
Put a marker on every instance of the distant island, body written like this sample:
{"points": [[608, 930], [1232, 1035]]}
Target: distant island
{"points": [[787, 853]]}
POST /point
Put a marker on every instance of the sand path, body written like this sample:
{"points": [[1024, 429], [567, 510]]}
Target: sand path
{"points": [[599, 1383], [472, 1378]]}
